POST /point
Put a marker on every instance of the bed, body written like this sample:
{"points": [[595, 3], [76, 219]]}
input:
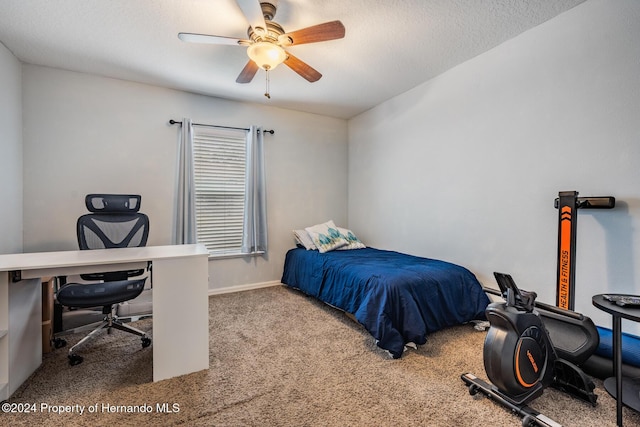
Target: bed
{"points": [[398, 298]]}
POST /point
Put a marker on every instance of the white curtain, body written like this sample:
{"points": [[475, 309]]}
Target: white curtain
{"points": [[254, 238], [186, 204]]}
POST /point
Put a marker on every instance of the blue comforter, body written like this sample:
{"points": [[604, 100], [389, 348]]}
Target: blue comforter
{"points": [[398, 298]]}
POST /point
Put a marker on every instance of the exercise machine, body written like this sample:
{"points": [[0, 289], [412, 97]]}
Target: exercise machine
{"points": [[520, 358], [568, 203], [531, 345]]}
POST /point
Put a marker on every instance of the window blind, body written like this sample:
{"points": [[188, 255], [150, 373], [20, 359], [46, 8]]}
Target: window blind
{"points": [[219, 172]]}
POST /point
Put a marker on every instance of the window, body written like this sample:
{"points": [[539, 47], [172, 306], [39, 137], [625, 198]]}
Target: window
{"points": [[219, 157]]}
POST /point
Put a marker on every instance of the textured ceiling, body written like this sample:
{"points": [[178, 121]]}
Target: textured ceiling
{"points": [[390, 46]]}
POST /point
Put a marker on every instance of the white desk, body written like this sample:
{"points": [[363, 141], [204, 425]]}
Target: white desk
{"points": [[180, 305]]}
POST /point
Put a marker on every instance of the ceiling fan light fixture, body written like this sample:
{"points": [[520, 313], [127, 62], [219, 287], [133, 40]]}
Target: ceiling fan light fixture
{"points": [[266, 55]]}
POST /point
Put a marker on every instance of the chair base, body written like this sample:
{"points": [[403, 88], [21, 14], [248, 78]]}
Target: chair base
{"points": [[109, 322]]}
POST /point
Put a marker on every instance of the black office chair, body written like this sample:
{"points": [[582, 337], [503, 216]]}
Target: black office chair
{"points": [[114, 222]]}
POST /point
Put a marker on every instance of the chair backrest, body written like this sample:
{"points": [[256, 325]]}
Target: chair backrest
{"points": [[114, 222]]}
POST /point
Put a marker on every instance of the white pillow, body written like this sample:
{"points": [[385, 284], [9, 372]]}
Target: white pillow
{"points": [[302, 238], [354, 242], [326, 236]]}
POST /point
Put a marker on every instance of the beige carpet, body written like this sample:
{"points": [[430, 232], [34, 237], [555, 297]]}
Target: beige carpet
{"points": [[279, 358]]}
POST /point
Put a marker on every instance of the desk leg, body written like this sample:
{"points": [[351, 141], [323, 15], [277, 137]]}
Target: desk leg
{"points": [[4, 335], [617, 365], [180, 316], [24, 333]]}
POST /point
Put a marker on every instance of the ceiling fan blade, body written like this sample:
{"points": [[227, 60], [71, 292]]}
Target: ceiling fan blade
{"points": [[305, 70], [316, 33], [205, 38], [253, 12], [248, 72]]}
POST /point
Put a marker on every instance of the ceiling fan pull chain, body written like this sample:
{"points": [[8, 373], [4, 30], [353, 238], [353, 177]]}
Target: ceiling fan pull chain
{"points": [[267, 91]]}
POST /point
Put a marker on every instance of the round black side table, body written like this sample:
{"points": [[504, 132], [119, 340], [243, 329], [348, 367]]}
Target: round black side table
{"points": [[624, 390]]}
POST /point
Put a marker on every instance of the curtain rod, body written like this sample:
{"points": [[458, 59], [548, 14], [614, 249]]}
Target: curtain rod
{"points": [[175, 122]]}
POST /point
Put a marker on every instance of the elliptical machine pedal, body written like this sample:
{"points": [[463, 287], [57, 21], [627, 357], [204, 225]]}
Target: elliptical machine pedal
{"points": [[520, 360], [572, 380]]}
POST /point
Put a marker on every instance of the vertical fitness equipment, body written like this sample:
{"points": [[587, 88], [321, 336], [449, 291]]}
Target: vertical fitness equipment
{"points": [[568, 204]]}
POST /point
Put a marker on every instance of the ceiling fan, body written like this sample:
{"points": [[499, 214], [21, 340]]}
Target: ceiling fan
{"points": [[268, 40]]}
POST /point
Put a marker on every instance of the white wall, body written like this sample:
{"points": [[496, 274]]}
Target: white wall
{"points": [[85, 133], [10, 153], [466, 166]]}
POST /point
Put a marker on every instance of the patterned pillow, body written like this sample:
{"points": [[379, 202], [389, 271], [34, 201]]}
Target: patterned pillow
{"points": [[326, 236], [302, 238], [354, 242]]}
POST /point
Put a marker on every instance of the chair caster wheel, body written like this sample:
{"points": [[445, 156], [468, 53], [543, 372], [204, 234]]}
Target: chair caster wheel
{"points": [[146, 342], [75, 359], [59, 342]]}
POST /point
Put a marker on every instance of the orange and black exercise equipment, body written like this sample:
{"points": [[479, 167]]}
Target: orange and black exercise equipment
{"points": [[568, 204]]}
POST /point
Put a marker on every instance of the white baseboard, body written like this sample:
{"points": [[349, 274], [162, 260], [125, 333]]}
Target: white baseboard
{"points": [[241, 288]]}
